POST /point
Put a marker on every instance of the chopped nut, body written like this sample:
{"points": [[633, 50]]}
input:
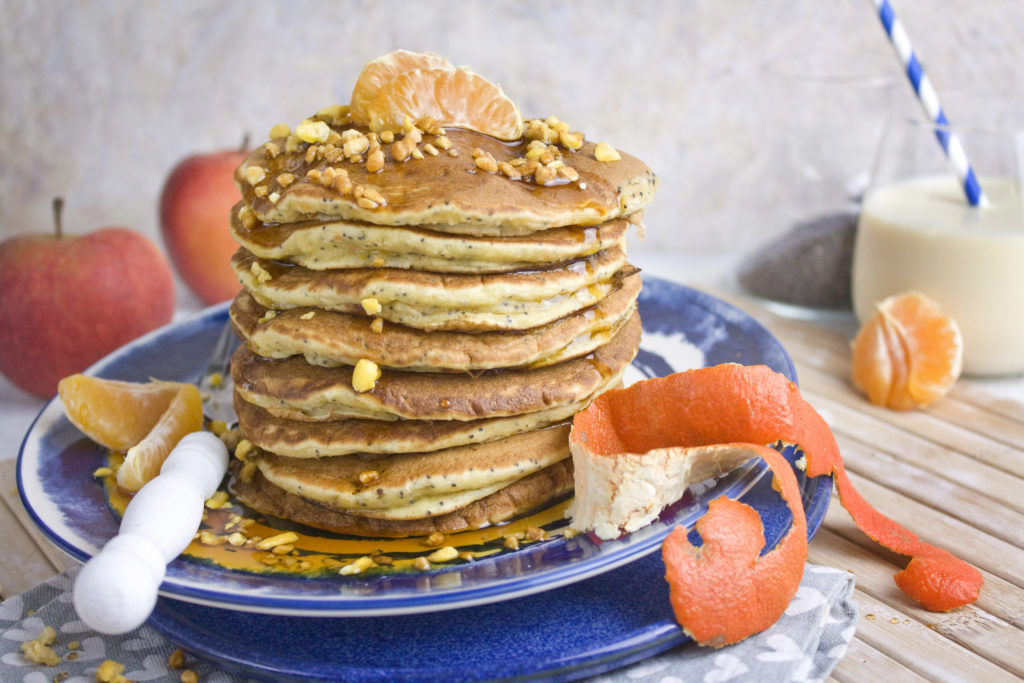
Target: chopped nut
{"points": [[279, 539], [402, 149], [535, 533], [39, 651], [335, 113], [273, 197], [333, 153], [355, 145], [368, 477], [281, 130], [272, 149], [291, 144], [246, 215], [357, 566], [453, 152], [371, 306], [428, 124], [421, 563], [486, 162], [282, 549], [509, 170], [382, 559], [248, 470], [342, 183], [544, 175], [177, 659], [269, 315], [511, 543], [312, 131], [218, 500], [237, 539], [434, 540], [365, 375], [261, 190], [375, 161], [210, 538], [430, 149], [243, 449], [285, 179], [569, 173], [374, 196], [262, 274], [445, 554], [377, 325], [366, 203], [570, 140], [308, 315], [387, 136], [443, 142], [605, 152], [189, 676], [108, 670], [310, 157], [254, 174], [417, 153]]}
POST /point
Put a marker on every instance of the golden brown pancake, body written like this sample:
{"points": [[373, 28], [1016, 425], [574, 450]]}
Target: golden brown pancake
{"points": [[446, 193], [304, 439], [434, 301], [415, 485], [320, 245], [294, 389], [522, 496], [330, 338]]}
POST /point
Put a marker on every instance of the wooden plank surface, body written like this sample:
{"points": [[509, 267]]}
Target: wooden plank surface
{"points": [[953, 474]]}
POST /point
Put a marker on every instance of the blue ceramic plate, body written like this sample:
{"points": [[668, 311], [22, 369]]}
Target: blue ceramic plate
{"points": [[683, 328]]}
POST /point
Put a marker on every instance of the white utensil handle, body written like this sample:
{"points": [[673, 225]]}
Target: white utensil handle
{"points": [[116, 590]]}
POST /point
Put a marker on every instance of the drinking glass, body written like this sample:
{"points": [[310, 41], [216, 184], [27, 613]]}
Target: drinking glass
{"points": [[918, 232]]}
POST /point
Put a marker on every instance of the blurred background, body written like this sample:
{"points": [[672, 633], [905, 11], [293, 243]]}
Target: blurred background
{"points": [[754, 113]]}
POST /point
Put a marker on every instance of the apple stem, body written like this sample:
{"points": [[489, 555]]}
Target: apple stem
{"points": [[58, 207]]}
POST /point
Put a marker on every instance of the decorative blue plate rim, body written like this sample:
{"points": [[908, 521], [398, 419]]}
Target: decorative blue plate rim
{"points": [[55, 464]]}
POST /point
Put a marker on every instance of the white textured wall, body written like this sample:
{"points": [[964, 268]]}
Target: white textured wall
{"points": [[753, 113]]}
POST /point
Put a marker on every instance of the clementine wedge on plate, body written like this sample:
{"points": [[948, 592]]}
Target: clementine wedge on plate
{"points": [[144, 419], [142, 462], [908, 354], [459, 98], [381, 70], [115, 414]]}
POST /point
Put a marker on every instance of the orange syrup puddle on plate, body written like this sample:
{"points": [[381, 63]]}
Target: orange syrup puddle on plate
{"points": [[316, 553]]}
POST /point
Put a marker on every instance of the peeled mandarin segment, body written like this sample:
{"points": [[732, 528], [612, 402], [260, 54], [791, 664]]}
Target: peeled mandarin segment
{"points": [[113, 413], [460, 98], [924, 347], [725, 590], [381, 70], [142, 462]]}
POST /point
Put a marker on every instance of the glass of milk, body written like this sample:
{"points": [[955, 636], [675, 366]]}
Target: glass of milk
{"points": [[918, 232]]}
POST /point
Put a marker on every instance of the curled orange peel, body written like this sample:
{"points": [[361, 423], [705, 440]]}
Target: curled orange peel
{"points": [[725, 590], [731, 404]]}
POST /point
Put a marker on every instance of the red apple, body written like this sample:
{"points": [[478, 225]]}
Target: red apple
{"points": [[195, 210], [66, 301]]}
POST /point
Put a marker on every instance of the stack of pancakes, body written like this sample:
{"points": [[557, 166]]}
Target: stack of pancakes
{"points": [[493, 307]]}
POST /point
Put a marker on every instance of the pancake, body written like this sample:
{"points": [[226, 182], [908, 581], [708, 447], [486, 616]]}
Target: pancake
{"points": [[444, 193], [330, 338], [304, 439], [294, 389], [433, 301], [412, 485], [529, 493], [321, 245]]}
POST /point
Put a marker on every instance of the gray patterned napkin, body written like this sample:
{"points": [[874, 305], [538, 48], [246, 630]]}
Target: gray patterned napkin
{"points": [[804, 645]]}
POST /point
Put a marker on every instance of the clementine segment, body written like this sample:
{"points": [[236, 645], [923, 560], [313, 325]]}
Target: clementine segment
{"points": [[909, 354], [725, 590], [114, 414], [381, 70], [460, 98], [142, 462]]}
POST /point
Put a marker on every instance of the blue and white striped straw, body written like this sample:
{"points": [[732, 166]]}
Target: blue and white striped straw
{"points": [[950, 142]]}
